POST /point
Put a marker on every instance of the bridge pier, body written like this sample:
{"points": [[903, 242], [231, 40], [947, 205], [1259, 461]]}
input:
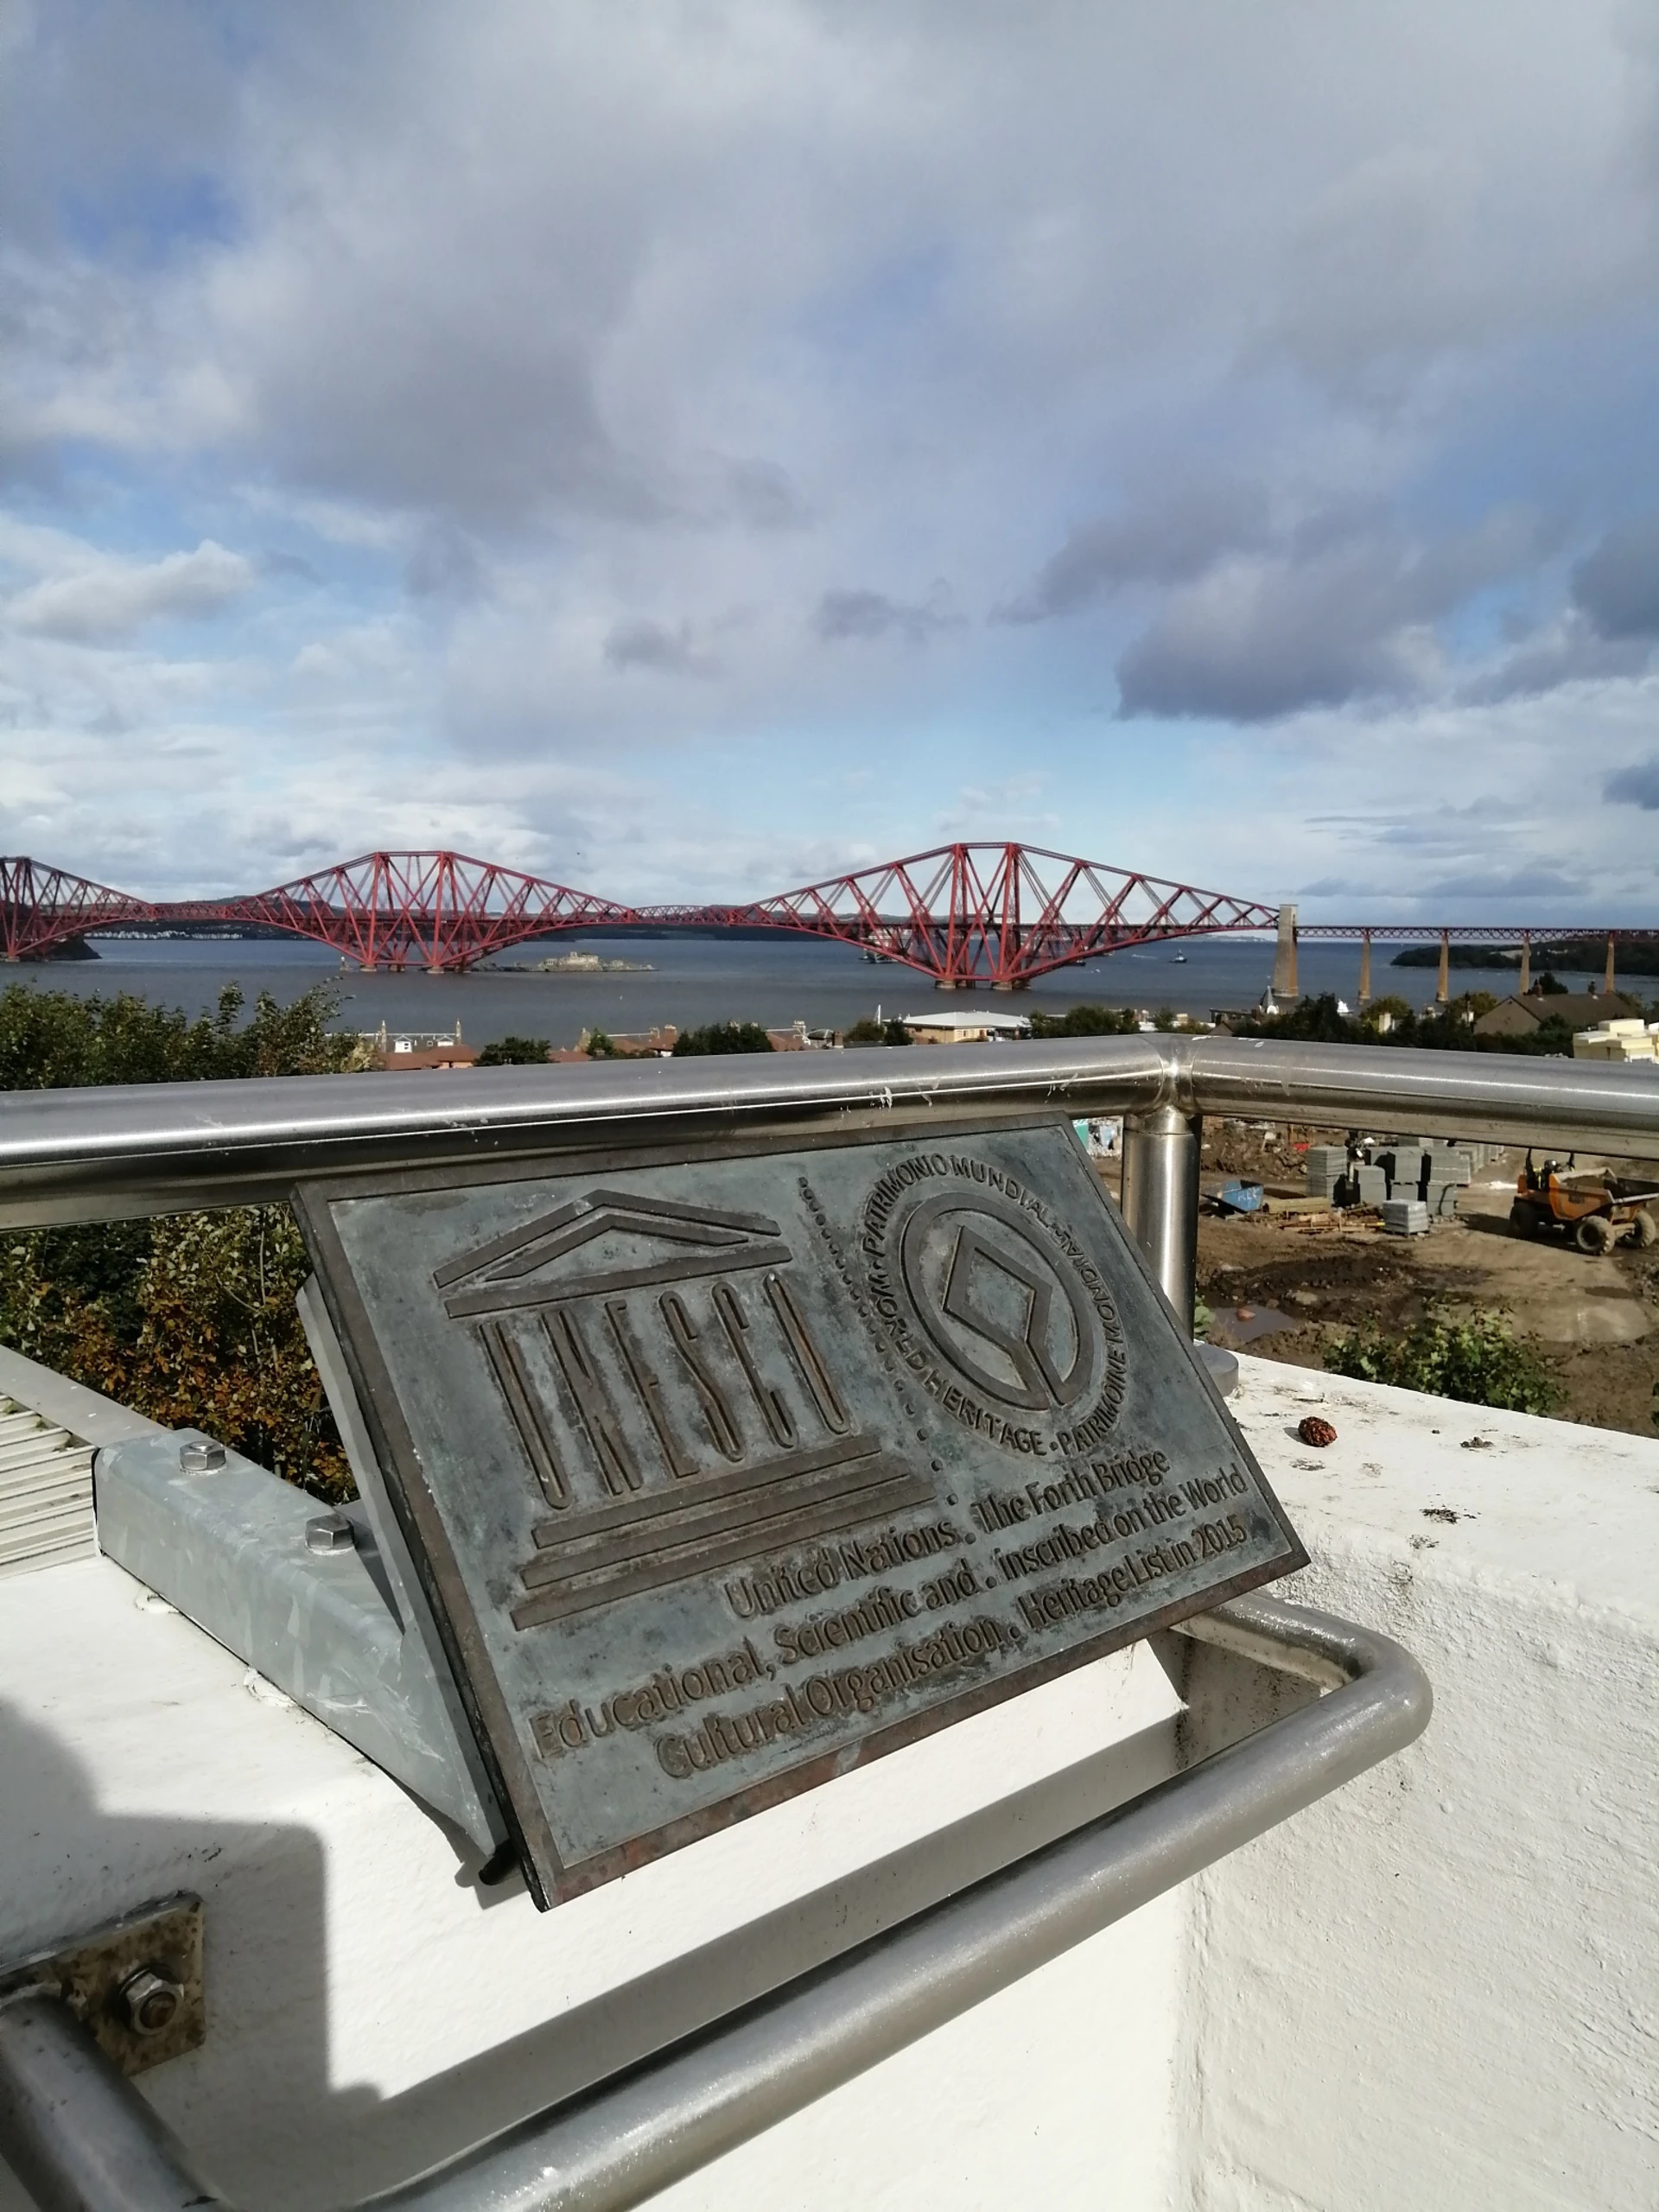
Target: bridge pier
{"points": [[1526, 965], [1365, 969], [1443, 988], [1607, 982], [1284, 958]]}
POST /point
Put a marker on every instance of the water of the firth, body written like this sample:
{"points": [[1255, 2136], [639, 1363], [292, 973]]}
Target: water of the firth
{"points": [[691, 980]]}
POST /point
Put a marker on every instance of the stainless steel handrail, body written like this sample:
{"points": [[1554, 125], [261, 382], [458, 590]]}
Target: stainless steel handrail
{"points": [[81, 2139], [114, 1154], [111, 1154]]}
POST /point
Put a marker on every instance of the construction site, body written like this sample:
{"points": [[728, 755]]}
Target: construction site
{"points": [[1296, 1271]]}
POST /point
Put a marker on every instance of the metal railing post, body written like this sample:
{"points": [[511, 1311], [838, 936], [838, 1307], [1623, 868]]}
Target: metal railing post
{"points": [[1162, 1150]]}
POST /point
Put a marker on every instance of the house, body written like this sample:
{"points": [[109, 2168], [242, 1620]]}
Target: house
{"points": [[444, 1059], [417, 1048], [653, 1044], [1518, 1017], [968, 1026]]}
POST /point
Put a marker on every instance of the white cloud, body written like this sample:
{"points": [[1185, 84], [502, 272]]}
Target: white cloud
{"points": [[108, 599], [640, 385]]}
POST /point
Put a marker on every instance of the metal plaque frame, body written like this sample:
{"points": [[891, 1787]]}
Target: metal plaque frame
{"points": [[995, 1281]]}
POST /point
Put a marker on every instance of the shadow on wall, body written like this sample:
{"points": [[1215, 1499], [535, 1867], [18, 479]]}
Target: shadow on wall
{"points": [[264, 2069]]}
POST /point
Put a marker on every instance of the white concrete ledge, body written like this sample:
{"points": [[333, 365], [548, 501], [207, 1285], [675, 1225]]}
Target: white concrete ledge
{"points": [[1440, 1988]]}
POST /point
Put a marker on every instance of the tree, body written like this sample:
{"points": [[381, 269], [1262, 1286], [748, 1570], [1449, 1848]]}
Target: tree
{"points": [[1087, 1022], [190, 1319], [1397, 1008], [1312, 1021], [868, 1031], [722, 1037], [53, 1040], [1447, 1028], [514, 1052], [601, 1045], [1548, 987]]}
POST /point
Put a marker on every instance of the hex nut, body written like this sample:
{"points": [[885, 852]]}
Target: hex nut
{"points": [[329, 1532], [149, 2000], [201, 1455]]}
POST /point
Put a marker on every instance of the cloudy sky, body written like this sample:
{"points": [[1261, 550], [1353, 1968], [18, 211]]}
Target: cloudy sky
{"points": [[694, 446]]}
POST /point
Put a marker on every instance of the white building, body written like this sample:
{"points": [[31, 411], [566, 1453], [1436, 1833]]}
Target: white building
{"points": [[1630, 1039], [965, 1026]]}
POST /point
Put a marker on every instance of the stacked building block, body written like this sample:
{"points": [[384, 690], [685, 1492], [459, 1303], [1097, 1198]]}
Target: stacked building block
{"points": [[1327, 1164], [1405, 1217]]}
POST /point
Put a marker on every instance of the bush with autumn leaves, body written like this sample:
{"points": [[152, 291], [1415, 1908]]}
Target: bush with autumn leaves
{"points": [[190, 1319]]}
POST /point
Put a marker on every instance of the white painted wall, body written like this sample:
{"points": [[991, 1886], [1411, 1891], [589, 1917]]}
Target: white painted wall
{"points": [[1436, 1990], [1440, 1988]]}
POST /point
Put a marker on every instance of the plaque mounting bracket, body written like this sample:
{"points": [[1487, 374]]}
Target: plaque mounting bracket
{"points": [[317, 1603], [134, 1985]]}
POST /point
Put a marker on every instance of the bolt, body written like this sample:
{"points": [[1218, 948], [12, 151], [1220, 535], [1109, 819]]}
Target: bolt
{"points": [[201, 1456], [150, 2000], [329, 1532]]}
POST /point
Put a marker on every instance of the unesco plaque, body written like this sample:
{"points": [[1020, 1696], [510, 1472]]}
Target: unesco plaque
{"points": [[726, 1470]]}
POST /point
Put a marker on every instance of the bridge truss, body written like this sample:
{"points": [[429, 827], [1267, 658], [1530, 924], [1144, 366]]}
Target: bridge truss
{"points": [[1000, 915], [437, 911], [963, 915], [42, 907]]}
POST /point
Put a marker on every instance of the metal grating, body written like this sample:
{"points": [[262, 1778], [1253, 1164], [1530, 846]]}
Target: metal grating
{"points": [[46, 1492]]}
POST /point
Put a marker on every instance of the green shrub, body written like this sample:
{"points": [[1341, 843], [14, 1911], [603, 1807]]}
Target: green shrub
{"points": [[878, 1033], [1087, 1022], [1478, 1361], [189, 1321], [515, 1053], [52, 1041], [722, 1037]]}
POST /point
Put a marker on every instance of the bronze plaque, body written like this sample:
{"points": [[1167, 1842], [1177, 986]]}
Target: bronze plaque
{"points": [[725, 1470]]}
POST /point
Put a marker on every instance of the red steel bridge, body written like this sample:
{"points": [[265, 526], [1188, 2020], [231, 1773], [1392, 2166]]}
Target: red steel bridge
{"points": [[962, 915]]}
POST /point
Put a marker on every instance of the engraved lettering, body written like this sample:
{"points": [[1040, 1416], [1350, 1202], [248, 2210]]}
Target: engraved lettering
{"points": [[881, 1610], [559, 1731], [524, 1402], [563, 1329], [860, 1689], [645, 1381], [722, 1428], [773, 1409], [808, 1362]]}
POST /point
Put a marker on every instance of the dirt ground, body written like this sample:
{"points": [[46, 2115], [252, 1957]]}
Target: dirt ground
{"points": [[1593, 1322]]}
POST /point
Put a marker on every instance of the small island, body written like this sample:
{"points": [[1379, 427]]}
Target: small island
{"points": [[572, 964]]}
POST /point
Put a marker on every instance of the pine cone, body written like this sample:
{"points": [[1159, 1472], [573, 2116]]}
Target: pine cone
{"points": [[1314, 1430]]}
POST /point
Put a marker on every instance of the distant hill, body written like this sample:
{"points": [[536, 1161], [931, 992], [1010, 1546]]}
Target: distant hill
{"points": [[1579, 956]]}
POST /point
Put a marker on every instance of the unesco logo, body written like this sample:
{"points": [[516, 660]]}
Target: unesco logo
{"points": [[987, 1299], [997, 1305]]}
